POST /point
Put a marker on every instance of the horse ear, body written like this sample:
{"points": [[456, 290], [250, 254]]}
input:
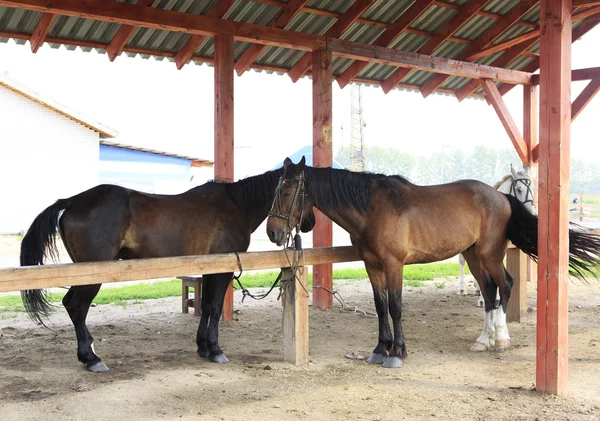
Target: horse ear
{"points": [[514, 173], [286, 162], [302, 162]]}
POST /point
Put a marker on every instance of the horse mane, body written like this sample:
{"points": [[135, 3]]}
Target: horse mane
{"points": [[338, 189], [499, 183], [255, 191]]}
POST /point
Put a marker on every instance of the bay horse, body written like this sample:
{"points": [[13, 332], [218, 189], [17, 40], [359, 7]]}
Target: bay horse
{"points": [[393, 223], [109, 222]]}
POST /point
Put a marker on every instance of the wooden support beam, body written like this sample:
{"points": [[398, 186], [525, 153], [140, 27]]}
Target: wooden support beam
{"points": [[553, 222], [122, 36], [393, 57], [513, 16], [577, 75], [584, 98], [51, 276], [288, 13], [494, 97], [322, 157], [295, 315], [386, 38], [465, 13], [224, 124], [41, 31], [195, 41], [167, 20], [532, 35], [531, 138], [337, 30], [503, 61], [579, 3], [516, 264]]}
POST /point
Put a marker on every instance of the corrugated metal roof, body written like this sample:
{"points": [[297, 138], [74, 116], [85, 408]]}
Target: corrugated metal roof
{"points": [[315, 18]]}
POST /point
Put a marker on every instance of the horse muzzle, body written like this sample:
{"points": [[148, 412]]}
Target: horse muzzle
{"points": [[277, 236]]}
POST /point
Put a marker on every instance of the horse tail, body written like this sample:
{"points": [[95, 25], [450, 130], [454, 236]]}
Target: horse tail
{"points": [[584, 244], [40, 243]]}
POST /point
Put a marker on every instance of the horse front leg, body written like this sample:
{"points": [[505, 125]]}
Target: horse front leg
{"points": [[462, 290], [393, 275], [77, 302], [220, 284], [377, 278]]}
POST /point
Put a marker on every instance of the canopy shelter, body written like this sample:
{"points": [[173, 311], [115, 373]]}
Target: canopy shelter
{"points": [[467, 49]]}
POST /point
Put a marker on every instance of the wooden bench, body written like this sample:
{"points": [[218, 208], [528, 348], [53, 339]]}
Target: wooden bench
{"points": [[186, 302]]}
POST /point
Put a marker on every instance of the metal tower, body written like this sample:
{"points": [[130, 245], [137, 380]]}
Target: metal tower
{"points": [[357, 130]]}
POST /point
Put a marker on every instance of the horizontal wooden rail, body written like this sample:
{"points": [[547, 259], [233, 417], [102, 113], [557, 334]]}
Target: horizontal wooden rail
{"points": [[69, 274]]}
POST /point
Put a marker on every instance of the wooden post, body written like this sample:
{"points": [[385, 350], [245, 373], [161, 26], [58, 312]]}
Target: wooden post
{"points": [[224, 127], [517, 267], [531, 136], [295, 316], [553, 237], [322, 157]]}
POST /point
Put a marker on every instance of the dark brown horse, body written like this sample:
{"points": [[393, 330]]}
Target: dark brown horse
{"points": [[110, 222], [394, 223]]}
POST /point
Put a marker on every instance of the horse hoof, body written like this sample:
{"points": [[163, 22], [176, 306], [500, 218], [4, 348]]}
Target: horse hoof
{"points": [[221, 358], [376, 358], [501, 344], [393, 362], [478, 347], [461, 292], [479, 304], [203, 353], [99, 367]]}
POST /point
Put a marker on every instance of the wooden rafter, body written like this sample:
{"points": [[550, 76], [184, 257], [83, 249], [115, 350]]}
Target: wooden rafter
{"points": [[120, 39], [494, 97], [484, 40], [445, 66], [387, 37], [339, 27], [253, 52], [465, 13], [503, 61], [584, 98], [579, 3], [41, 31], [577, 75], [195, 41]]}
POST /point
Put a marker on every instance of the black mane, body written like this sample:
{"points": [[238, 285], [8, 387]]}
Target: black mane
{"points": [[339, 189], [254, 192]]}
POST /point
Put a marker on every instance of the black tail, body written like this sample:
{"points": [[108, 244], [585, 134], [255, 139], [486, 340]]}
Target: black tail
{"points": [[40, 243], [584, 244]]}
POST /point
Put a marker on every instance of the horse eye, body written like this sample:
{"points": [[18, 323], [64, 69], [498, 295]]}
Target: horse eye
{"points": [[286, 194]]}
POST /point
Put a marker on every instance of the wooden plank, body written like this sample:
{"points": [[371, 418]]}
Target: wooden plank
{"points": [[392, 57], [577, 75], [503, 61], [386, 38], [513, 16], [41, 31], [224, 124], [167, 20], [295, 316], [588, 93], [120, 39], [322, 157], [535, 34], [337, 30], [516, 264], [288, 13], [193, 43], [531, 138], [465, 13], [553, 236], [506, 119], [49, 276]]}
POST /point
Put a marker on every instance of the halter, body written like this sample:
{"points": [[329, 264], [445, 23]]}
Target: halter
{"points": [[527, 183], [277, 207]]}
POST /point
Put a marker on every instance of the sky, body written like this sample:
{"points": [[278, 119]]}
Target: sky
{"points": [[152, 104]]}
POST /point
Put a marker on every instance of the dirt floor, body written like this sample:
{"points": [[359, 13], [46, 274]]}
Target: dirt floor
{"points": [[155, 373]]}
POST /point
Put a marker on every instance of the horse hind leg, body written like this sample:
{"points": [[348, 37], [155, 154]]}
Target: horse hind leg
{"points": [[462, 290], [504, 282], [384, 344]]}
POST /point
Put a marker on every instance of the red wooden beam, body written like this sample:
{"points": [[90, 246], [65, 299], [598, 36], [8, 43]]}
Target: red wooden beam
{"points": [[337, 30], [494, 97], [354, 50], [579, 3], [577, 75], [253, 52], [465, 13], [503, 61], [531, 124], [553, 222], [322, 157], [41, 31], [120, 39], [512, 17], [224, 124], [584, 98], [386, 38]]}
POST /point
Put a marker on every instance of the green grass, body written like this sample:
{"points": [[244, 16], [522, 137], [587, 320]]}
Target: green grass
{"points": [[121, 296]]}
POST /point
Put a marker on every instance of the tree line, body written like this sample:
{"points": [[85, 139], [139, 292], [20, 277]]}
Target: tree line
{"points": [[482, 163]]}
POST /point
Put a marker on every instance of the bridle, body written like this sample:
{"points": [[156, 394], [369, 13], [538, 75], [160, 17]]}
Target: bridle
{"points": [[299, 197], [527, 183]]}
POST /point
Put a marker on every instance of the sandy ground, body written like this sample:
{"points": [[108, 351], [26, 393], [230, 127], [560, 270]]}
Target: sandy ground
{"points": [[155, 373]]}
